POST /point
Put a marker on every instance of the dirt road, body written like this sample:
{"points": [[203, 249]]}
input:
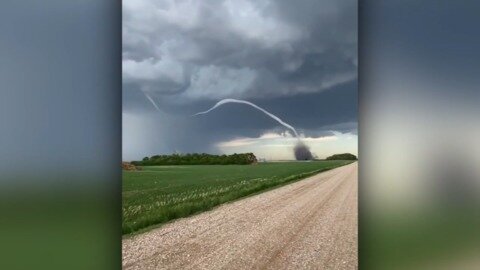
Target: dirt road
{"points": [[310, 224]]}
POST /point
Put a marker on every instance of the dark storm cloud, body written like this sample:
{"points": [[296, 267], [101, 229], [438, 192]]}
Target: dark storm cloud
{"points": [[315, 115], [240, 49], [298, 60]]}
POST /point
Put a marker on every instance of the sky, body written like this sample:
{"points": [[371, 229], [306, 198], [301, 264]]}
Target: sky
{"points": [[298, 60]]}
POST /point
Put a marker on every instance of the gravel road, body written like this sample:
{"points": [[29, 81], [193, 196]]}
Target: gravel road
{"points": [[310, 224]]}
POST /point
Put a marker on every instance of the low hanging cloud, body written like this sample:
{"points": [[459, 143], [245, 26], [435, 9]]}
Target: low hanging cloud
{"points": [[203, 50], [211, 80]]}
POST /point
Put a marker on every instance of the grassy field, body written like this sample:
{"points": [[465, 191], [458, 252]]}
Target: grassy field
{"points": [[158, 194]]}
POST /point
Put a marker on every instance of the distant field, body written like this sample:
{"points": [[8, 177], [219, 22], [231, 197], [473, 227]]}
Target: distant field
{"points": [[158, 194]]}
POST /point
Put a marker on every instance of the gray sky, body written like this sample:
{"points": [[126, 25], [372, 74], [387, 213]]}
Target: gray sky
{"points": [[297, 60]]}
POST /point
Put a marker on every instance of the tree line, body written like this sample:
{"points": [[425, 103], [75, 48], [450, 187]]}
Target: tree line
{"points": [[197, 159], [344, 156]]}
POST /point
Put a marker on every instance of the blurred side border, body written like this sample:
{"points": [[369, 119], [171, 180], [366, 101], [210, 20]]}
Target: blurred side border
{"points": [[60, 139]]}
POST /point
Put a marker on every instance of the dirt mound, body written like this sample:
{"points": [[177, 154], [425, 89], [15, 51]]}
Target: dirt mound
{"points": [[127, 166]]}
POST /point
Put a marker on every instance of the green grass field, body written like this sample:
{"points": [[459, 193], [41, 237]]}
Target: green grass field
{"points": [[158, 194]]}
